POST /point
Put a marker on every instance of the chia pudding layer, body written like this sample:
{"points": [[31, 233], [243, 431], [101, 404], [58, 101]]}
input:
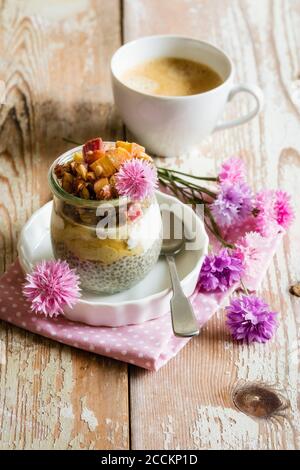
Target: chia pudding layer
{"points": [[110, 278]]}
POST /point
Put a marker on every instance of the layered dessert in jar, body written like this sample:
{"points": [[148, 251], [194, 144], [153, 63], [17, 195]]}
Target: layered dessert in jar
{"points": [[106, 221]]}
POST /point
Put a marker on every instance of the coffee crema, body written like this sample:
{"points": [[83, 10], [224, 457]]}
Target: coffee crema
{"points": [[171, 76]]}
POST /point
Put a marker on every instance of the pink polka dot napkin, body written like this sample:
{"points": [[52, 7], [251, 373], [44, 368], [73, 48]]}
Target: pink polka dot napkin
{"points": [[149, 345]]}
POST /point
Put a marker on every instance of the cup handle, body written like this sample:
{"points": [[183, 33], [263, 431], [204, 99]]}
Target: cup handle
{"points": [[257, 94]]}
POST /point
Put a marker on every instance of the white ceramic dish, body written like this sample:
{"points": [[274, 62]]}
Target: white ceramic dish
{"points": [[146, 300]]}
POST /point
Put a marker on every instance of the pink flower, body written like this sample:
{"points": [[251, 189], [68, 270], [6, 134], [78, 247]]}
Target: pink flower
{"points": [[273, 212], [283, 210], [136, 179], [51, 286], [252, 248], [233, 171], [265, 218]]}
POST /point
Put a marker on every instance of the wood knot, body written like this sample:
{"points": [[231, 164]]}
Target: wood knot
{"points": [[295, 289], [258, 400]]}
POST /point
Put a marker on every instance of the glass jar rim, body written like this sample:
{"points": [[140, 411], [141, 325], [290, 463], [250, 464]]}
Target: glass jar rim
{"points": [[58, 191]]}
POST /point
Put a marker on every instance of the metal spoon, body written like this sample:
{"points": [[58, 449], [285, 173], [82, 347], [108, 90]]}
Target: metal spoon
{"points": [[183, 319]]}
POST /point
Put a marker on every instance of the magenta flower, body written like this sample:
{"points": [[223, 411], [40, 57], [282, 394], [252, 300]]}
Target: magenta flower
{"points": [[283, 210], [232, 171], [250, 319], [220, 271], [51, 286], [136, 179], [273, 212], [233, 204]]}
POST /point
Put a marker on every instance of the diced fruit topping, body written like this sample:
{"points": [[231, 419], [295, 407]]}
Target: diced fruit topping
{"points": [[92, 173], [136, 150], [78, 157], [133, 148], [92, 145], [124, 145], [118, 156], [93, 150], [91, 157], [107, 165], [134, 211], [96, 164]]}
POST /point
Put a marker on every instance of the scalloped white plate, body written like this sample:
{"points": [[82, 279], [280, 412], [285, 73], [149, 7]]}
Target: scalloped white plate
{"points": [[147, 300]]}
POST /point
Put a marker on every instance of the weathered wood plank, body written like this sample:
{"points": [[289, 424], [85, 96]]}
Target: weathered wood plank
{"points": [[187, 404], [44, 399], [54, 61]]}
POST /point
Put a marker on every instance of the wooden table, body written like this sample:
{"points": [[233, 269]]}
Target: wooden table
{"points": [[55, 64]]}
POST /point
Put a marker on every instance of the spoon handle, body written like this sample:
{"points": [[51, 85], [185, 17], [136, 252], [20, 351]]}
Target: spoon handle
{"points": [[183, 319]]}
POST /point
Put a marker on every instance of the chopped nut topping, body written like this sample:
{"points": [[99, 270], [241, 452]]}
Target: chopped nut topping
{"points": [[81, 170], [78, 184], [105, 192], [85, 193], [90, 173], [99, 185], [90, 176], [61, 169], [67, 182]]}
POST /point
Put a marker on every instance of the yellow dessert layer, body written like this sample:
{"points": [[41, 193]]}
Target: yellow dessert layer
{"points": [[83, 242]]}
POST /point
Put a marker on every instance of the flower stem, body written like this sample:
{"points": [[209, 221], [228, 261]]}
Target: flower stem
{"points": [[219, 238], [166, 174], [215, 229], [204, 178], [70, 141], [207, 212], [244, 287], [168, 180]]}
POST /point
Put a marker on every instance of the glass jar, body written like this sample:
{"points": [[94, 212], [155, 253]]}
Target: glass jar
{"points": [[111, 244]]}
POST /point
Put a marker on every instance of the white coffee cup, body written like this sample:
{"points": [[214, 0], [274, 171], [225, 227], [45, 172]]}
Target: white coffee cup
{"points": [[175, 125]]}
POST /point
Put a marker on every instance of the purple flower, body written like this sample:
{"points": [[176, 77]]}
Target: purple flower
{"points": [[51, 286], [233, 171], [233, 204], [136, 179], [220, 271], [250, 319]]}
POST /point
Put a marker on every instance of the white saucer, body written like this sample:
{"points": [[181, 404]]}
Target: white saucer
{"points": [[148, 299]]}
